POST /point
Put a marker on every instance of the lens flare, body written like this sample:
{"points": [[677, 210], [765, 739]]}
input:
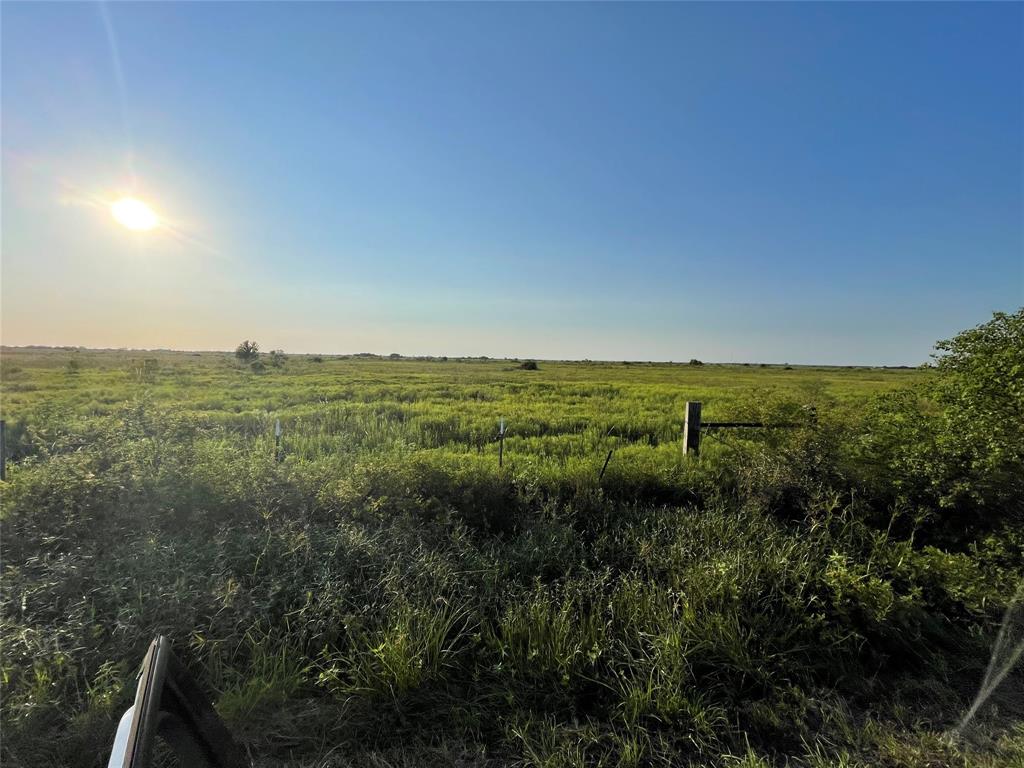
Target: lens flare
{"points": [[134, 214]]}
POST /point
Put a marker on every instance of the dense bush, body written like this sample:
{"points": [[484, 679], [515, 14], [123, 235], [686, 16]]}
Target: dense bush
{"points": [[951, 451]]}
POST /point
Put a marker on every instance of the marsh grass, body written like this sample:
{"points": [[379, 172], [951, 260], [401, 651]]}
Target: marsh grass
{"points": [[387, 595]]}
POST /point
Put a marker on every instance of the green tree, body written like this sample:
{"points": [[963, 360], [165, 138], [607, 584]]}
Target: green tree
{"points": [[247, 351]]}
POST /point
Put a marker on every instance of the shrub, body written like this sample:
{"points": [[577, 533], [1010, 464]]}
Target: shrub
{"points": [[953, 449], [247, 351], [529, 365]]}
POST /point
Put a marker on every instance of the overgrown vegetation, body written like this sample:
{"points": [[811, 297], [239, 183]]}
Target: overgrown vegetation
{"points": [[386, 595]]}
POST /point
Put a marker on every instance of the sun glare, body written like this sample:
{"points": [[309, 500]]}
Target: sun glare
{"points": [[134, 214]]}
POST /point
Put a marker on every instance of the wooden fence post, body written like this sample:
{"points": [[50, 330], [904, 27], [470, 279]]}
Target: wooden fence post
{"points": [[501, 444], [691, 429], [3, 449]]}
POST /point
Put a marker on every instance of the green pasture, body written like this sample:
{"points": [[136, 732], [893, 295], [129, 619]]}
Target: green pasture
{"points": [[380, 592]]}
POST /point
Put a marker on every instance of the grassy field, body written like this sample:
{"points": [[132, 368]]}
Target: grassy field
{"points": [[385, 594], [562, 410]]}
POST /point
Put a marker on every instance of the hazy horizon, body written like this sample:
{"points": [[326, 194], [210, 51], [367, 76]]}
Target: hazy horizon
{"points": [[812, 184], [456, 356]]}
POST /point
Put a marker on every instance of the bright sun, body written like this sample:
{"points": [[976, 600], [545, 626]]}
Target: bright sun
{"points": [[134, 214]]}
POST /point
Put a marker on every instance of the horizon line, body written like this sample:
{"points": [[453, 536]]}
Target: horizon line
{"points": [[448, 357]]}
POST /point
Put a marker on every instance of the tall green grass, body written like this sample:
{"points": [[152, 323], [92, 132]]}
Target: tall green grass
{"points": [[387, 595]]}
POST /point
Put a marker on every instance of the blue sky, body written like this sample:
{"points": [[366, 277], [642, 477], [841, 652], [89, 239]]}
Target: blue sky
{"points": [[806, 183]]}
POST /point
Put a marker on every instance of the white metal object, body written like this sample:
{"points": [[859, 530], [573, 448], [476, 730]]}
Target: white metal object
{"points": [[121, 739]]}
